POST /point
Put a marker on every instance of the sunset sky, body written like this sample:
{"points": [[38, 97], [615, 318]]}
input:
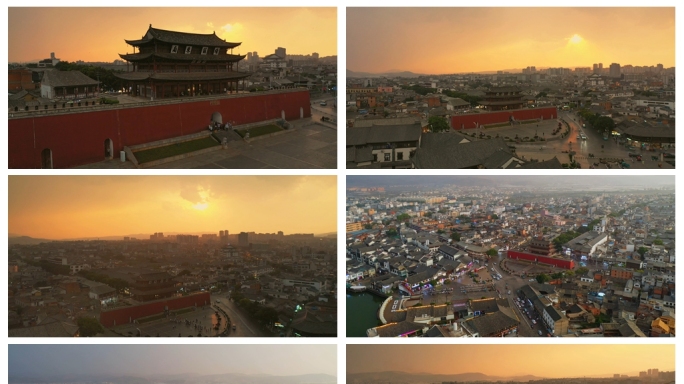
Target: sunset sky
{"points": [[65, 207], [453, 40], [513, 360], [171, 359], [97, 34]]}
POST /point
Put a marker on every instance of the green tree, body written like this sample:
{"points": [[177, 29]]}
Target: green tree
{"points": [[403, 217], [391, 232], [642, 251], [495, 216], [581, 271], [88, 326], [455, 236], [266, 315], [557, 275], [604, 124], [428, 214], [564, 238], [658, 241], [107, 78], [473, 100], [438, 124], [492, 252], [368, 226], [542, 278]]}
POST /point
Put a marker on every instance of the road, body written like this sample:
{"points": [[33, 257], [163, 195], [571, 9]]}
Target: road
{"points": [[244, 327], [513, 284], [593, 145], [329, 111]]}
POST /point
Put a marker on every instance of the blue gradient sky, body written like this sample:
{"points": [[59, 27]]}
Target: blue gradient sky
{"points": [[41, 360]]}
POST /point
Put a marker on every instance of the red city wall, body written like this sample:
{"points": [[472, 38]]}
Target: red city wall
{"points": [[78, 138], [459, 122], [561, 263], [126, 315]]}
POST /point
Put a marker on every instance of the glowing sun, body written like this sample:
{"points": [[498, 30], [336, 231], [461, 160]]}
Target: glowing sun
{"points": [[576, 39], [201, 206]]}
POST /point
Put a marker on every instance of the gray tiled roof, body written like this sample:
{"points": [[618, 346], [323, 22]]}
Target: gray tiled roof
{"points": [[645, 131], [486, 305], [181, 56], [66, 79], [174, 37], [377, 134], [554, 313], [491, 324], [442, 150]]}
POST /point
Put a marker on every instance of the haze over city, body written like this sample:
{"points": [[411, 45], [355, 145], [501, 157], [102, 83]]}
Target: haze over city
{"points": [[97, 34], [68, 207], [577, 181], [491, 39], [45, 361], [513, 360]]}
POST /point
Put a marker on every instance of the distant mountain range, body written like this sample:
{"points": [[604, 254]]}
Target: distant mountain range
{"points": [[232, 378], [404, 377], [25, 240], [393, 73]]}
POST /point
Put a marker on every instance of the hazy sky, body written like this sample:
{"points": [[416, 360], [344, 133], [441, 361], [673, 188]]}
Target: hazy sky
{"points": [[60, 207], [97, 34], [171, 359], [513, 360], [451, 40], [577, 182]]}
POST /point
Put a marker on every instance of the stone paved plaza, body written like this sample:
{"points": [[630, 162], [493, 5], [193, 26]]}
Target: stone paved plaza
{"points": [[312, 144]]}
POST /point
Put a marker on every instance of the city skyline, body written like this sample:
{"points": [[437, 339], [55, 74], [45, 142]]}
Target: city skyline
{"points": [[98, 206], [76, 360], [304, 31], [517, 362], [638, 36]]}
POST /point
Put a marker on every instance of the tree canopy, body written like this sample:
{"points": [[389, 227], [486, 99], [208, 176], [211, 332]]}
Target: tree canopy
{"points": [[438, 124], [88, 326], [107, 79], [473, 100], [542, 278]]}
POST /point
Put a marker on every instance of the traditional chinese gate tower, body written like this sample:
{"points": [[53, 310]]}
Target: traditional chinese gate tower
{"points": [[178, 64]]}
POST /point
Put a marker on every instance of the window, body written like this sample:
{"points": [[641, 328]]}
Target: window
{"points": [[174, 49], [400, 155], [217, 50], [188, 49], [375, 157], [387, 156], [205, 50]]}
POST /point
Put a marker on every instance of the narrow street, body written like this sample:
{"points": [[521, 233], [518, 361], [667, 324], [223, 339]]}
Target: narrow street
{"points": [[244, 327]]}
